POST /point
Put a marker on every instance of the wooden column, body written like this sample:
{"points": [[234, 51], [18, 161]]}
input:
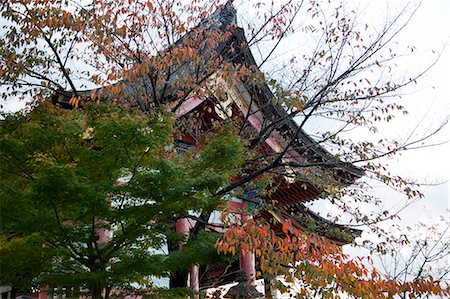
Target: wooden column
{"points": [[43, 293], [183, 227], [247, 259], [194, 283]]}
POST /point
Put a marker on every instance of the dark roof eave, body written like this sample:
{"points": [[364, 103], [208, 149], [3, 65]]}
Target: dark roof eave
{"points": [[247, 57], [337, 232], [225, 16]]}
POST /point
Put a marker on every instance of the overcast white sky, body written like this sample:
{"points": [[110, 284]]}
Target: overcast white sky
{"points": [[428, 103]]}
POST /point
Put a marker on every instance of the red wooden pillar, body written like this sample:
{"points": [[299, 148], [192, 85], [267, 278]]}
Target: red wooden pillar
{"points": [[247, 259], [183, 227], [103, 236], [43, 293], [193, 280]]}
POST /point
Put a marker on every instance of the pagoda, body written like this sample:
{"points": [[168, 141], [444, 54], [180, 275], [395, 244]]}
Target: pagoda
{"points": [[250, 103]]}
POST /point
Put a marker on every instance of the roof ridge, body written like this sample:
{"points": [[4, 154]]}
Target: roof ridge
{"points": [[225, 14]]}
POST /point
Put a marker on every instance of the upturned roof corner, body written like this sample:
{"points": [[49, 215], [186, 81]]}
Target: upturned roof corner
{"points": [[236, 50]]}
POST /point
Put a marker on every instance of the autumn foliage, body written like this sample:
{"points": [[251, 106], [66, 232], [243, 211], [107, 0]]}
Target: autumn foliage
{"points": [[122, 71], [317, 266]]}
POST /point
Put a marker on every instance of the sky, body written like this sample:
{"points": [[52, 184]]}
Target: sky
{"points": [[427, 102], [429, 105]]}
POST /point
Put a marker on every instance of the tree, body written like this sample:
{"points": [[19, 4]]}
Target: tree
{"points": [[159, 55], [59, 189], [425, 256]]}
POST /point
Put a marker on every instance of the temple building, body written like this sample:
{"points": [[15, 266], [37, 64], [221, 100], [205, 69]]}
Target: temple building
{"points": [[249, 103]]}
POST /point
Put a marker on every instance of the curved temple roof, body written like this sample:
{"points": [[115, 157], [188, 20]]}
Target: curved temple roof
{"points": [[224, 19]]}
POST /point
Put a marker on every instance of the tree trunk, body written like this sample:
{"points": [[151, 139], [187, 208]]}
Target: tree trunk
{"points": [[178, 279], [96, 290], [268, 288]]}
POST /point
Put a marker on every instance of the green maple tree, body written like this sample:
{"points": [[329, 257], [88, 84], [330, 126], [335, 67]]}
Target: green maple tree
{"points": [[59, 189]]}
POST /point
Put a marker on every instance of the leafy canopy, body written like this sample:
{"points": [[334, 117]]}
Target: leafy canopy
{"points": [[62, 184]]}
